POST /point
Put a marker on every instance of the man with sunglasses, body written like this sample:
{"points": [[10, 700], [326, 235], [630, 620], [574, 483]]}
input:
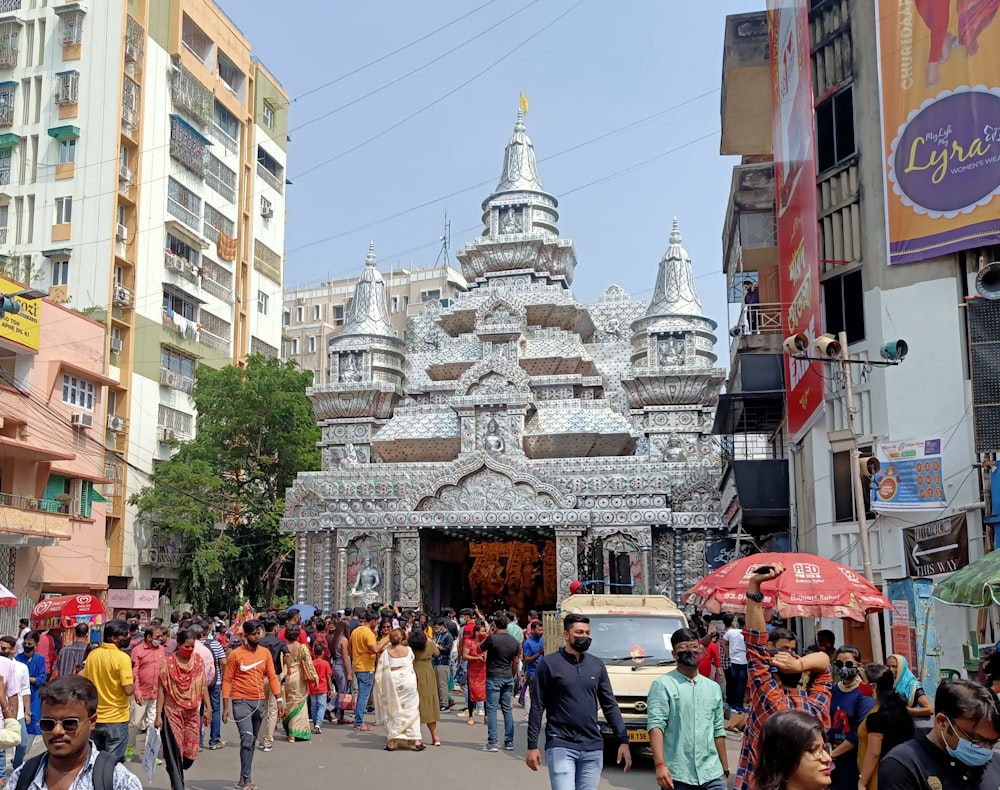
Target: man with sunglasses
{"points": [[958, 751], [71, 759], [775, 675]]}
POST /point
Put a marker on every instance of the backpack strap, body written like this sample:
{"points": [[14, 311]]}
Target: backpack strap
{"points": [[104, 771], [28, 770]]}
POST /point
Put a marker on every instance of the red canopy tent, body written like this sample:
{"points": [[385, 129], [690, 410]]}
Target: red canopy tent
{"points": [[65, 611]]}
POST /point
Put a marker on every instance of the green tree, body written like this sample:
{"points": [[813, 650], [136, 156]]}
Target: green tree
{"points": [[221, 496]]}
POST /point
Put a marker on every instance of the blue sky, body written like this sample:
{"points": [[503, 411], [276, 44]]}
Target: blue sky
{"points": [[590, 68]]}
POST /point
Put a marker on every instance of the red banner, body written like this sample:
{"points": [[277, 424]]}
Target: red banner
{"points": [[795, 188]]}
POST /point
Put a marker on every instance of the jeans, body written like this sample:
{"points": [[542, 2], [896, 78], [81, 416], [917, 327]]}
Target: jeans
{"points": [[498, 693], [112, 738], [364, 681], [573, 769], [715, 784], [317, 706], [20, 751], [248, 715], [215, 732], [737, 692]]}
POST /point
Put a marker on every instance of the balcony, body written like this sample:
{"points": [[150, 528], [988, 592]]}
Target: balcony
{"points": [[749, 237], [218, 290], [213, 341], [161, 556], [223, 139], [9, 6], [276, 183], [183, 213], [746, 85], [188, 146], [8, 55], [180, 266], [188, 93], [29, 521], [759, 328]]}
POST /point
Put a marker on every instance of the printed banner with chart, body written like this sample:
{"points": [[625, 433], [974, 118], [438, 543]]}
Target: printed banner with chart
{"points": [[911, 476]]}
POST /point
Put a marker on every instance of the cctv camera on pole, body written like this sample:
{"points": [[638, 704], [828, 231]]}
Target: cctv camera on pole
{"points": [[869, 465], [796, 344], [828, 346], [894, 350]]}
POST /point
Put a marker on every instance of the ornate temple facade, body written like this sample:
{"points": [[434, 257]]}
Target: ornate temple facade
{"points": [[516, 439]]}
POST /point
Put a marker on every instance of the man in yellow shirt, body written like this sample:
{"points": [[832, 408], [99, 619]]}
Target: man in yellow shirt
{"points": [[365, 648], [110, 670]]}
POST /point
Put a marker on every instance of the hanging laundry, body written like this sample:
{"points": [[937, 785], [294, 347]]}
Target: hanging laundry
{"points": [[226, 247]]}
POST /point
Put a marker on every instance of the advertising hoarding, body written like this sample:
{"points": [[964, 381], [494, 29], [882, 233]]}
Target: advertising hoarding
{"points": [[795, 196], [940, 77], [911, 476], [22, 327]]}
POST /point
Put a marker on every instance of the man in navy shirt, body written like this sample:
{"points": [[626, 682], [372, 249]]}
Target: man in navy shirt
{"points": [[569, 685]]}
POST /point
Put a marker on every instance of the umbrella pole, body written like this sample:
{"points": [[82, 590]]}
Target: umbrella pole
{"points": [[859, 496]]}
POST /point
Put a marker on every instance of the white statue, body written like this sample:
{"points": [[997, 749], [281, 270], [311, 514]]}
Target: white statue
{"points": [[368, 580], [493, 440]]}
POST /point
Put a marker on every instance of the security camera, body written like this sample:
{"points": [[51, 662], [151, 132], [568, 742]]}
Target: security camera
{"points": [[736, 331], [796, 344], [827, 346], [895, 350], [869, 465]]}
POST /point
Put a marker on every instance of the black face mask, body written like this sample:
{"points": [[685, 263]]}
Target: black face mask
{"points": [[687, 658], [28, 648], [124, 642], [848, 673], [790, 679], [581, 644]]}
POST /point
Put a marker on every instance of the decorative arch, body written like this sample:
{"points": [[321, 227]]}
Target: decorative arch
{"points": [[500, 311], [493, 374]]}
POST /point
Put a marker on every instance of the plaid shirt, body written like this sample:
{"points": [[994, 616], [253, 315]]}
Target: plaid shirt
{"points": [[768, 696]]}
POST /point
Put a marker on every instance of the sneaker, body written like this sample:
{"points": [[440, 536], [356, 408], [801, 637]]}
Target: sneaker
{"points": [[508, 747], [268, 747], [317, 728], [129, 754], [216, 746], [490, 747]]}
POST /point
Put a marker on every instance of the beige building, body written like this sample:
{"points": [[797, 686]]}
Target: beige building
{"points": [[314, 314]]}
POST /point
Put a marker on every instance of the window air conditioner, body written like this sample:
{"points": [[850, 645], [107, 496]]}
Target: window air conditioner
{"points": [[80, 420], [116, 345], [122, 233], [124, 172], [165, 435], [169, 378], [123, 297], [267, 213]]}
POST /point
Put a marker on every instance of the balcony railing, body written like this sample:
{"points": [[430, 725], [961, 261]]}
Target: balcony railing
{"points": [[8, 56], [757, 319], [215, 342], [273, 181], [183, 213], [22, 502], [44, 520], [216, 289], [9, 6], [223, 139]]}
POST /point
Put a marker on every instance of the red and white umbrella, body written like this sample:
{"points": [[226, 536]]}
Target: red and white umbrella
{"points": [[811, 586], [7, 598]]}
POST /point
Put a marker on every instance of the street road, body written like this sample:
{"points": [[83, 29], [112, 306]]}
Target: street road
{"points": [[340, 754]]}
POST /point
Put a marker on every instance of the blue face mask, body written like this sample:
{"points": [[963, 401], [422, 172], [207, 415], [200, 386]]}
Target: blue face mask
{"points": [[967, 752]]}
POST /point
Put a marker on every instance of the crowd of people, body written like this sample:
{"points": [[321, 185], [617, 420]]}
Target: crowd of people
{"points": [[810, 720]]}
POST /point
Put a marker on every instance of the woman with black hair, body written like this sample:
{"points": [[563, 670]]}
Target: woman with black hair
{"points": [[792, 753], [848, 708], [886, 726]]}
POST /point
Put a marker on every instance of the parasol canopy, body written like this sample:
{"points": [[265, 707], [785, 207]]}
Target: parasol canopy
{"points": [[7, 598], [811, 586], [977, 584]]}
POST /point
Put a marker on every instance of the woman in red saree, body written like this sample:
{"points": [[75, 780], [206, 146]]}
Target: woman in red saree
{"points": [[181, 691], [476, 674]]}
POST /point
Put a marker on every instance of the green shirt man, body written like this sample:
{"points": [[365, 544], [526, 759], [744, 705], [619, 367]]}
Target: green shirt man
{"points": [[685, 721]]}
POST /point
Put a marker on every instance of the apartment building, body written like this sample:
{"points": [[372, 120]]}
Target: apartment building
{"points": [[142, 180], [784, 421], [313, 314]]}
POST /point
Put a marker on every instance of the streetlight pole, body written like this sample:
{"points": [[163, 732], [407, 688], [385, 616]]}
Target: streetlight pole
{"points": [[857, 484]]}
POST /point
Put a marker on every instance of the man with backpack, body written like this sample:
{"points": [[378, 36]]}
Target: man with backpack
{"points": [[69, 714]]}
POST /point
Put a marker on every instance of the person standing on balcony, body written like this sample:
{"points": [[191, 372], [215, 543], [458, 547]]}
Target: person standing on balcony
{"points": [[751, 298]]}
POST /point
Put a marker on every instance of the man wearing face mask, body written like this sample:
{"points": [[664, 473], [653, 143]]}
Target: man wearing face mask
{"points": [[958, 751], [686, 722], [110, 669], [775, 675], [569, 686], [147, 658]]}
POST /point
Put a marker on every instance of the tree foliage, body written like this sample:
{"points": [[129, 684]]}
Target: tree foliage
{"points": [[221, 496]]}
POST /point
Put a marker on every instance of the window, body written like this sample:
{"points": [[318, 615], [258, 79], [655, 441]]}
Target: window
{"points": [[262, 300], [312, 344], [266, 209], [216, 221], [194, 38], [67, 151], [230, 74], [298, 314], [843, 493], [267, 116], [183, 307], [835, 130], [78, 392], [7, 93], [64, 210], [395, 304], [183, 203], [72, 28], [293, 345], [286, 317], [338, 314], [178, 363], [316, 312], [220, 178], [227, 122], [430, 296], [60, 272], [844, 305], [67, 87]]}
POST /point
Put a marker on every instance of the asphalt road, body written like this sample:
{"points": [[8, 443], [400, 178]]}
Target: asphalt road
{"points": [[339, 753]]}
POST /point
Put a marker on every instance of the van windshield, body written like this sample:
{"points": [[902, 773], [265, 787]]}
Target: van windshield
{"points": [[640, 639]]}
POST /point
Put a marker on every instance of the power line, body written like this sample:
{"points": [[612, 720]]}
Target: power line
{"points": [[390, 54], [410, 73], [440, 99]]}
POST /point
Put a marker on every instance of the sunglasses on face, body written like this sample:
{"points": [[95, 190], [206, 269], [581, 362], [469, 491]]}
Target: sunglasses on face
{"points": [[844, 664], [69, 725]]}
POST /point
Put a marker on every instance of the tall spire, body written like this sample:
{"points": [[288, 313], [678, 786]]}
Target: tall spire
{"points": [[675, 293], [368, 314], [520, 171]]}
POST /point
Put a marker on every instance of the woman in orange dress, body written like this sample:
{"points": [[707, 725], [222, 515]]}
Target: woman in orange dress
{"points": [[476, 674], [181, 691]]}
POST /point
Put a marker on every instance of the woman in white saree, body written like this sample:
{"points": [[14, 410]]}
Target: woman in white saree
{"points": [[396, 689]]}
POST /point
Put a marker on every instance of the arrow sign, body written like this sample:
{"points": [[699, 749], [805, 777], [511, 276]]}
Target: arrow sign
{"points": [[939, 546]]}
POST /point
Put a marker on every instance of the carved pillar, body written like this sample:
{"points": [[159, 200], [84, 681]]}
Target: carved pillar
{"points": [[678, 566], [566, 559], [341, 578], [301, 567], [647, 565], [326, 594], [408, 555], [387, 590], [663, 557], [317, 570]]}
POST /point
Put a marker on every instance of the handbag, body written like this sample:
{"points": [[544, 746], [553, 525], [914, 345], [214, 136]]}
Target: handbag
{"points": [[345, 701]]}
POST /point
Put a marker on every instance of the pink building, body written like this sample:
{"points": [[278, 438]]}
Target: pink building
{"points": [[52, 457]]}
